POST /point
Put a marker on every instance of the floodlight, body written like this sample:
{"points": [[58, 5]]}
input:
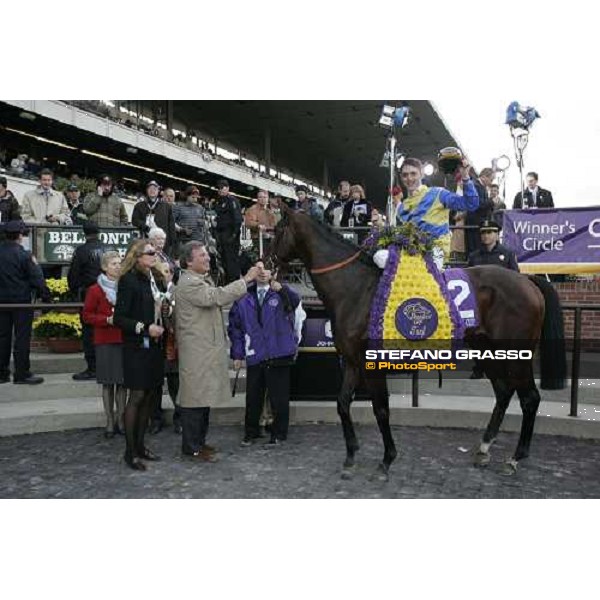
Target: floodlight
{"points": [[501, 163], [428, 169]]}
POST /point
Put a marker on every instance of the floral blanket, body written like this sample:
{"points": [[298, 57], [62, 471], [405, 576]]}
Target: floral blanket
{"points": [[416, 302]]}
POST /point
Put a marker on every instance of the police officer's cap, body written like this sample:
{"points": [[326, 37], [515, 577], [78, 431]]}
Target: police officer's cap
{"points": [[14, 227], [72, 187], [489, 225]]}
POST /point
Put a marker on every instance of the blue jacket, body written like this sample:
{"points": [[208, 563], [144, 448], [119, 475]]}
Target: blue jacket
{"points": [[263, 333]]}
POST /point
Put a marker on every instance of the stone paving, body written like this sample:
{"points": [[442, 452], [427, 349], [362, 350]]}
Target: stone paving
{"points": [[433, 463]]}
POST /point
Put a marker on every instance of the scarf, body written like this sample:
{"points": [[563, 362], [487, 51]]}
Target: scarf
{"points": [[108, 287]]}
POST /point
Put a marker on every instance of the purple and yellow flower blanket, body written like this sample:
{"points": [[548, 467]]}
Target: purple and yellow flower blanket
{"points": [[415, 301]]}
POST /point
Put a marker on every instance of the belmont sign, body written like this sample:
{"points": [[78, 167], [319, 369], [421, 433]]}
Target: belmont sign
{"points": [[57, 245], [554, 240]]}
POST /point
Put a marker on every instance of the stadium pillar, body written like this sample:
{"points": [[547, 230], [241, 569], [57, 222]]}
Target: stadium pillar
{"points": [[169, 115], [325, 175], [268, 150]]}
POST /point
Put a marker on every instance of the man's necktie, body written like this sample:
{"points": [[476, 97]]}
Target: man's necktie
{"points": [[261, 296]]}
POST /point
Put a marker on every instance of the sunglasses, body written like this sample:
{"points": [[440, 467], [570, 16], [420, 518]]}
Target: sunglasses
{"points": [[149, 253]]}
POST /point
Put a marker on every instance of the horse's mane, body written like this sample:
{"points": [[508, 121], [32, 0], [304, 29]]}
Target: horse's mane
{"points": [[364, 257]]}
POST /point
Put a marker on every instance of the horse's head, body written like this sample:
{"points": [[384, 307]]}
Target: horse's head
{"points": [[284, 246]]}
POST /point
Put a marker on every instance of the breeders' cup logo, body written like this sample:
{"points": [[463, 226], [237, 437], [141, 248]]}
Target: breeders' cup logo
{"points": [[64, 252], [416, 319]]}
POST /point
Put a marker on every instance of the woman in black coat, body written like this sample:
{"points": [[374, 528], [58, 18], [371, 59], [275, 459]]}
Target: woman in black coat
{"points": [[138, 314]]}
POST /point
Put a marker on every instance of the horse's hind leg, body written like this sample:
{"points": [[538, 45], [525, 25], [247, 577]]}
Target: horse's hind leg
{"points": [[529, 398], [377, 389], [349, 384], [504, 391]]}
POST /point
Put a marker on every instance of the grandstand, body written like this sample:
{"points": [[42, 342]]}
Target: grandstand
{"points": [[254, 144]]}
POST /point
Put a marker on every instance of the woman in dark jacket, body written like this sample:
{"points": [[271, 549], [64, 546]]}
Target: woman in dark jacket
{"points": [[138, 314]]}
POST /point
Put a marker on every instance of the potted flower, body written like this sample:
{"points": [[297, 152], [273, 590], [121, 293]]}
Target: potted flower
{"points": [[62, 331]]}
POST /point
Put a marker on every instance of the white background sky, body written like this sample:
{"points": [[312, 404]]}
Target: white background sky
{"points": [[564, 144]]}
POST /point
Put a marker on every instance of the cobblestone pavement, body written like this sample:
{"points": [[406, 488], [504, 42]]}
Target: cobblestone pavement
{"points": [[433, 463]]}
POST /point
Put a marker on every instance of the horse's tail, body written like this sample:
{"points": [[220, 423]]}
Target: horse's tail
{"points": [[553, 355]]}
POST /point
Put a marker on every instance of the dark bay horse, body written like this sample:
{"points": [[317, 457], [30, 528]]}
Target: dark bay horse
{"points": [[512, 307]]}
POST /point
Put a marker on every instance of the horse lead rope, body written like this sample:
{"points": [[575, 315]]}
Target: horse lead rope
{"points": [[336, 265]]}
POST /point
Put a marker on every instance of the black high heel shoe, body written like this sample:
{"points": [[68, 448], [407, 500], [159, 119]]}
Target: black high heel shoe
{"points": [[108, 434]]}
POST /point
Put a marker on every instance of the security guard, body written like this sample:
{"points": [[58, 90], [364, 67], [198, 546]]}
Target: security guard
{"points": [[492, 251], [20, 276]]}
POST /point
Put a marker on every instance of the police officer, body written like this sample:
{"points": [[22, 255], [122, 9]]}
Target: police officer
{"points": [[83, 272], [20, 277], [229, 222], [492, 252]]}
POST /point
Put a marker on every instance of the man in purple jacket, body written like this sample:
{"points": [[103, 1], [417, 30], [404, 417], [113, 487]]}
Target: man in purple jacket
{"points": [[261, 330]]}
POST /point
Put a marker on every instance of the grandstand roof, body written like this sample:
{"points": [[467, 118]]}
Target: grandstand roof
{"points": [[307, 133]]}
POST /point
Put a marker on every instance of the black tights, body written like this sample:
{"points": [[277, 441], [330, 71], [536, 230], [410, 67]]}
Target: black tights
{"points": [[137, 412]]}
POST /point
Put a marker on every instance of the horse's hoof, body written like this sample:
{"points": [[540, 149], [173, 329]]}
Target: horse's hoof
{"points": [[382, 473], [136, 464], [482, 459], [348, 472], [509, 468]]}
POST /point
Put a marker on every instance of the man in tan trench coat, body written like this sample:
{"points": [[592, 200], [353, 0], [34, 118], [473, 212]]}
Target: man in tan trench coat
{"points": [[202, 347]]}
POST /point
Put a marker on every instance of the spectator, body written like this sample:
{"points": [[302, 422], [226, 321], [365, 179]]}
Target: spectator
{"points": [[457, 242], [45, 205], [307, 204], [20, 277], [357, 211], [76, 213], [153, 212], [169, 196], [229, 222], [83, 272], [535, 197], [275, 206], [9, 205], [171, 366], [190, 217], [157, 237], [138, 314], [377, 219], [18, 164], [104, 207], [259, 217], [98, 313], [483, 213], [203, 372], [499, 206], [333, 212], [261, 330]]}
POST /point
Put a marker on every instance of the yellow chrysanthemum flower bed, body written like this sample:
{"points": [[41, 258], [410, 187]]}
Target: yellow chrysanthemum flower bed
{"points": [[413, 280], [57, 325], [59, 288]]}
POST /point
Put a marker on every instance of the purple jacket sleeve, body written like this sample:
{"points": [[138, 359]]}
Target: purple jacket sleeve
{"points": [[236, 333], [468, 201]]}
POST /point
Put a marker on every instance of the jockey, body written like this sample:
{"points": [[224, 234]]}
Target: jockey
{"points": [[429, 208]]}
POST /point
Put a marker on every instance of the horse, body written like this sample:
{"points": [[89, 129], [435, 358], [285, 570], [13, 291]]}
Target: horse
{"points": [[512, 307]]}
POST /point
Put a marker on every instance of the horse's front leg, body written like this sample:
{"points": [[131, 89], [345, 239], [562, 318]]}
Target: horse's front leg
{"points": [[349, 383]]}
